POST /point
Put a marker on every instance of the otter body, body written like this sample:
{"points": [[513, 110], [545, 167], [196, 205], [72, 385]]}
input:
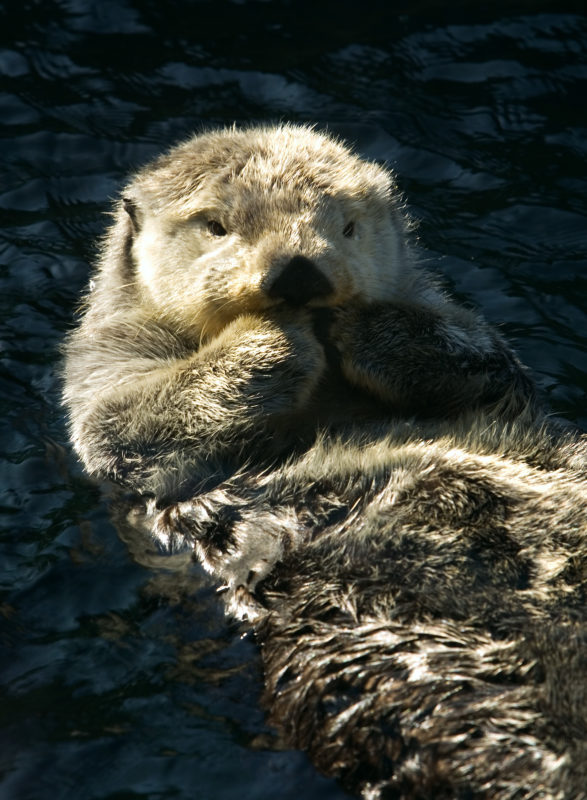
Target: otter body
{"points": [[358, 460]]}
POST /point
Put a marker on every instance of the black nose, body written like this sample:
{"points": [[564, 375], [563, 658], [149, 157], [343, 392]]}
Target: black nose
{"points": [[299, 282]]}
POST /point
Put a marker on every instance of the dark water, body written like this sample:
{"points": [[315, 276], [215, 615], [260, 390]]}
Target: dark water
{"points": [[121, 680]]}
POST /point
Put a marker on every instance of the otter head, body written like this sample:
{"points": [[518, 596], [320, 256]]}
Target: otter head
{"points": [[240, 221]]}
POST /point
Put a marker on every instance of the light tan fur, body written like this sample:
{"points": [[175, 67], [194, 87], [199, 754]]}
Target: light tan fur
{"points": [[295, 194]]}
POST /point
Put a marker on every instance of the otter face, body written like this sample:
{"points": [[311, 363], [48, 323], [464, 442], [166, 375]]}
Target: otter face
{"points": [[239, 222]]}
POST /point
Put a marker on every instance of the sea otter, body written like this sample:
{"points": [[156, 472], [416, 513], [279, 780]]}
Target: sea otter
{"points": [[359, 461]]}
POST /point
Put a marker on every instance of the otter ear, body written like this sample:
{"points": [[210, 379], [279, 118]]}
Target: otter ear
{"points": [[134, 211]]}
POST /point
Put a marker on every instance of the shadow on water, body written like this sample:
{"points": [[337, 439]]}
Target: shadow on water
{"points": [[121, 679]]}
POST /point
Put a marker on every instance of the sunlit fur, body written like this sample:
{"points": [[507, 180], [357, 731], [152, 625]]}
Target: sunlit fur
{"points": [[276, 192], [365, 473]]}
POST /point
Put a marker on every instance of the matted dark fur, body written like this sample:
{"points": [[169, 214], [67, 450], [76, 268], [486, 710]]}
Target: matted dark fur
{"points": [[359, 461]]}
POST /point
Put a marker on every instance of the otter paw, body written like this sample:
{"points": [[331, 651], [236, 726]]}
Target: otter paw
{"points": [[171, 531], [277, 358]]}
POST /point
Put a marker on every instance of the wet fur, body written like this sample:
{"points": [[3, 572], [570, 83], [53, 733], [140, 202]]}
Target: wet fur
{"points": [[365, 472]]}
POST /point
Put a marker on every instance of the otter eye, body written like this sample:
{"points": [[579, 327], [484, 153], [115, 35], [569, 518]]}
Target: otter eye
{"points": [[348, 229], [215, 228]]}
